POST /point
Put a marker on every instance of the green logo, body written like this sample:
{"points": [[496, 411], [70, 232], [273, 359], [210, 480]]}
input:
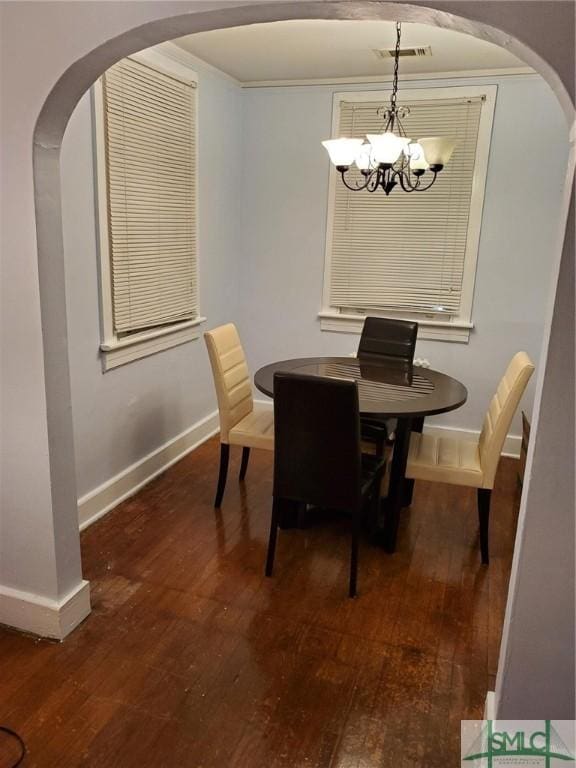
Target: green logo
{"points": [[540, 746]]}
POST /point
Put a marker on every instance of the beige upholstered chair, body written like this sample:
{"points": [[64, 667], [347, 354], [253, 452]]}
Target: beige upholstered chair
{"points": [[463, 462], [242, 422]]}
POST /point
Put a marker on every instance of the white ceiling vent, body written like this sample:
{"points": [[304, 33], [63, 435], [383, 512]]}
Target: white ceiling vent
{"points": [[388, 53]]}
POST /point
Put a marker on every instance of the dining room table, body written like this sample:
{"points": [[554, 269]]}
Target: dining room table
{"points": [[387, 389]]}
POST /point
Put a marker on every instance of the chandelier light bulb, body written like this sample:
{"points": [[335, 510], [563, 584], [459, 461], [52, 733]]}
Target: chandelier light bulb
{"points": [[417, 157], [386, 147], [364, 159], [342, 152]]}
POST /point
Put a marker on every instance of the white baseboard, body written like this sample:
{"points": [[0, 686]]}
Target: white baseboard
{"points": [[490, 706], [101, 500], [511, 444], [43, 616]]}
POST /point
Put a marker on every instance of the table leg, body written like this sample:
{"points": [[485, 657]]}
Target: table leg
{"points": [[417, 426], [395, 499], [289, 513]]}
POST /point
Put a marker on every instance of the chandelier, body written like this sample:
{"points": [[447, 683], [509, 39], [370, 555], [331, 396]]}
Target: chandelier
{"points": [[391, 157]]}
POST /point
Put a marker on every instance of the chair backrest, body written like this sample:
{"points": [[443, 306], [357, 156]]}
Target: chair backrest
{"points": [[317, 455], [385, 337], [500, 413], [231, 376]]}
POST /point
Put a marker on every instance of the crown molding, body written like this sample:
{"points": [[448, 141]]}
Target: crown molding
{"points": [[173, 51], [385, 79]]}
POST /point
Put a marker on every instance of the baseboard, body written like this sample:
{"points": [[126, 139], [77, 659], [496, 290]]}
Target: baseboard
{"points": [[511, 444], [43, 616], [101, 500], [490, 706]]}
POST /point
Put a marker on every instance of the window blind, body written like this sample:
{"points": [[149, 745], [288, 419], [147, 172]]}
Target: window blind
{"points": [[406, 252], [150, 135]]}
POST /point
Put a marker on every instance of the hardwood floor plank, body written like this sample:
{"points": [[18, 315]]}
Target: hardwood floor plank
{"points": [[191, 658]]}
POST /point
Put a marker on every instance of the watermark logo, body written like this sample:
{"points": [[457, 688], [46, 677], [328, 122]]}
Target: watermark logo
{"points": [[517, 744]]}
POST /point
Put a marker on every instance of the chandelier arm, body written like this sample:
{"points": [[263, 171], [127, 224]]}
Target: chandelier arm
{"points": [[374, 180], [410, 182], [406, 183], [357, 187], [421, 188]]}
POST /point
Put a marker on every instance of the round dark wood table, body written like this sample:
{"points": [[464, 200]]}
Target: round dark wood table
{"points": [[385, 389]]}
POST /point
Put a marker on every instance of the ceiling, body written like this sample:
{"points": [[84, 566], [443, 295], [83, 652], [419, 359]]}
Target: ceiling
{"points": [[303, 50]]}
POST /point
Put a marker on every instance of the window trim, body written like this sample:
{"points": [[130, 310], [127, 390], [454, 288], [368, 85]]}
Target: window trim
{"points": [[114, 350], [430, 327]]}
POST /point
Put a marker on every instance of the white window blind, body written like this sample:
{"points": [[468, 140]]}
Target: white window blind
{"points": [[150, 152], [406, 252]]}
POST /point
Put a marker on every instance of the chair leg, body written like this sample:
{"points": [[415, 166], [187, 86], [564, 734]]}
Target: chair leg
{"points": [[407, 492], [224, 457], [484, 495], [356, 521], [244, 464], [376, 498], [273, 535]]}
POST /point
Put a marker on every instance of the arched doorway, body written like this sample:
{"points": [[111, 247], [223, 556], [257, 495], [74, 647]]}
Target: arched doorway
{"points": [[81, 68]]}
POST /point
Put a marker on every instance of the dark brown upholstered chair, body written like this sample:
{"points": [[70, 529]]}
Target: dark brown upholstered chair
{"points": [[317, 456], [385, 337], [391, 340]]}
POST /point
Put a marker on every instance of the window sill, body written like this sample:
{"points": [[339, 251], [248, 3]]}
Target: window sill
{"points": [[121, 351], [435, 330]]}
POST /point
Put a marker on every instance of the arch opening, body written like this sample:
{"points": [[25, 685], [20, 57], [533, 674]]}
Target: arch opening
{"points": [[49, 133]]}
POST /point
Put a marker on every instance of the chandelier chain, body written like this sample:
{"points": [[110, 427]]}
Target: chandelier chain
{"points": [[396, 64]]}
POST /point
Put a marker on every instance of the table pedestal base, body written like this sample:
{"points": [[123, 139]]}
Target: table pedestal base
{"points": [[400, 489], [385, 528]]}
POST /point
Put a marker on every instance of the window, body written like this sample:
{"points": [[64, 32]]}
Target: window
{"points": [[410, 255], [145, 110]]}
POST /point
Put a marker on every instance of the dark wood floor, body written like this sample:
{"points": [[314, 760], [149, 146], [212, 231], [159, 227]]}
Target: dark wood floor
{"points": [[192, 658]]}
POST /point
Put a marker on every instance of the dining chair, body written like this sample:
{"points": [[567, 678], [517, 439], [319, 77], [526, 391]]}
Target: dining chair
{"points": [[317, 455], [471, 463], [389, 338], [242, 421], [385, 339]]}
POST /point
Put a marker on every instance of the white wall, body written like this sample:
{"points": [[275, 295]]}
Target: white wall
{"points": [[261, 264], [284, 215], [536, 669], [124, 414]]}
